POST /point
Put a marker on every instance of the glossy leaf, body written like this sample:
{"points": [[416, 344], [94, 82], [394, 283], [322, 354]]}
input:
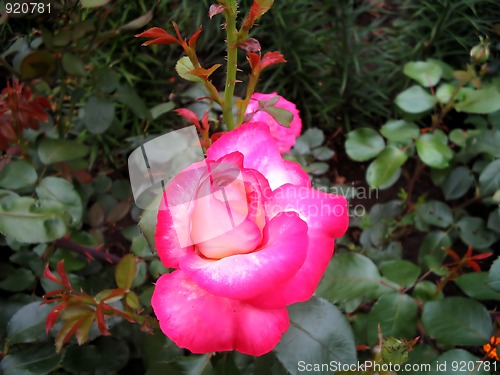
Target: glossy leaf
{"points": [[402, 272], [17, 175], [52, 151], [34, 360], [415, 100], [435, 213], [400, 130], [383, 170], [31, 221], [475, 285], [60, 190], [458, 182], [433, 152], [494, 275], [125, 271], [363, 144], [28, 323], [458, 362], [473, 232], [318, 332], [397, 315], [489, 179], [484, 100], [427, 73], [183, 67], [457, 321], [99, 113]]}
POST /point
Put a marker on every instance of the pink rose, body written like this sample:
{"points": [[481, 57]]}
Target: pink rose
{"points": [[284, 137], [247, 236]]}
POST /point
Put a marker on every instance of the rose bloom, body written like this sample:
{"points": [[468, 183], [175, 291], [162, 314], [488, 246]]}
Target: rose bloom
{"points": [[247, 236], [284, 137]]}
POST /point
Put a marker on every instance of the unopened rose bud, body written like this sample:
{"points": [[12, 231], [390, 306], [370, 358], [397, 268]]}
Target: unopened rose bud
{"points": [[480, 53]]}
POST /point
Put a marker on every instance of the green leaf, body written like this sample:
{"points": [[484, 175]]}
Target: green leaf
{"points": [[458, 182], [161, 109], [30, 221], [125, 271], [148, 220], [433, 247], [494, 221], [425, 291], [494, 275], [475, 285], [457, 321], [473, 232], [35, 360], [433, 152], [458, 361], [93, 3], [385, 169], [99, 113], [52, 151], [363, 144], [73, 65], [323, 153], [349, 276], [59, 190], [127, 95], [107, 80], [195, 365], [17, 175], [28, 323], [17, 279], [489, 179], [397, 315], [427, 73], [444, 93], [314, 137], [280, 115], [435, 213], [318, 333], [400, 130], [317, 168], [402, 272], [183, 67], [415, 100], [484, 100]]}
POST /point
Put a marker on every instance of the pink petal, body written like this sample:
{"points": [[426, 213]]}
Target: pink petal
{"points": [[302, 285], [326, 214], [261, 153], [247, 275], [203, 323]]}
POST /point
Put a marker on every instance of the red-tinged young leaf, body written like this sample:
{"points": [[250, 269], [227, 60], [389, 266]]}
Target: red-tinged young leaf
{"points": [[452, 254], [82, 332], [53, 315], [250, 45], [62, 273], [204, 122], [47, 273], [482, 256], [204, 73], [178, 33], [101, 324], [216, 136], [189, 115], [474, 266], [194, 38], [123, 314], [158, 35], [67, 330], [57, 292], [272, 58], [254, 60], [215, 9], [109, 295]]}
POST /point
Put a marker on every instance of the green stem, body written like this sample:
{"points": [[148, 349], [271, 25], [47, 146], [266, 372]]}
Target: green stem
{"points": [[232, 62], [252, 83]]}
